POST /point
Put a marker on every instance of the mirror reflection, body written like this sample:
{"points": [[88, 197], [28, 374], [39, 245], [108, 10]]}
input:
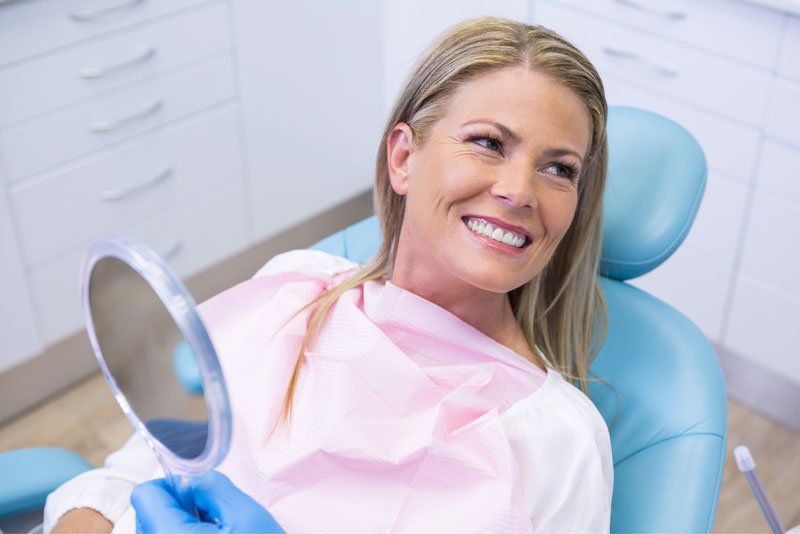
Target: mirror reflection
{"points": [[146, 355]]}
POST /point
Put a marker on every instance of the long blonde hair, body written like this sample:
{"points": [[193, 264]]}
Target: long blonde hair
{"points": [[561, 311]]}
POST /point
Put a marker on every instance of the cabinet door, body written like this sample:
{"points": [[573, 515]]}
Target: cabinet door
{"points": [[18, 335], [310, 81]]}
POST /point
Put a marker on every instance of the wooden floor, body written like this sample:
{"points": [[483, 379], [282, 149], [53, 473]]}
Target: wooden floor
{"points": [[87, 420]]}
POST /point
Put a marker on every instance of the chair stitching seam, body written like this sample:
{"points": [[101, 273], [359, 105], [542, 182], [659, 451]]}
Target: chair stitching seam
{"points": [[714, 434]]}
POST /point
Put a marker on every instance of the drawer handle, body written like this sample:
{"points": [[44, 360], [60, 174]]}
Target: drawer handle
{"points": [[99, 72], [669, 15], [112, 195], [624, 54], [105, 126], [94, 14], [172, 251]]}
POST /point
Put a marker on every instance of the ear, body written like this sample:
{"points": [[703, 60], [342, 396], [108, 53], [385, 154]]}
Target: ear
{"points": [[399, 147]]}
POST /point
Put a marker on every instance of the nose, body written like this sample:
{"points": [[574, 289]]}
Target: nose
{"points": [[515, 185]]}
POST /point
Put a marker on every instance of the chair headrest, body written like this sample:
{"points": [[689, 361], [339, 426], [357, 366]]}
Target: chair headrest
{"points": [[656, 178]]}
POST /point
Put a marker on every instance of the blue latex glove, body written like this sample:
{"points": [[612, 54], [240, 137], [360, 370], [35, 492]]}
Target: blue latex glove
{"points": [[223, 508]]}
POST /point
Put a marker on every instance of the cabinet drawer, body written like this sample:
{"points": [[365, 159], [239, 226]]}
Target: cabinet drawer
{"points": [[191, 237], [779, 170], [763, 326], [684, 276], [718, 224], [715, 25], [771, 250], [729, 147], [34, 26], [45, 84], [57, 211], [696, 78], [783, 116], [39, 145], [789, 60]]}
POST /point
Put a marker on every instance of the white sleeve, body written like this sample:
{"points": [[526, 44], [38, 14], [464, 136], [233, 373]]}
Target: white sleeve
{"points": [[563, 451], [107, 489]]}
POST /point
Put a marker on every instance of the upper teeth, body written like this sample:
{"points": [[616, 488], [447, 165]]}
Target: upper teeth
{"points": [[498, 234]]}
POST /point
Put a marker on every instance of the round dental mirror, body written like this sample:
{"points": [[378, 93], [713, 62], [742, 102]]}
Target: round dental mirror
{"points": [[156, 355]]}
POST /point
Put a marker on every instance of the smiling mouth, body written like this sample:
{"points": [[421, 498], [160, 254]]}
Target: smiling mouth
{"points": [[495, 232]]}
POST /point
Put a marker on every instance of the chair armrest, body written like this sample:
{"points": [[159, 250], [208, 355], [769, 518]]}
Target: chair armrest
{"points": [[29, 475], [670, 486]]}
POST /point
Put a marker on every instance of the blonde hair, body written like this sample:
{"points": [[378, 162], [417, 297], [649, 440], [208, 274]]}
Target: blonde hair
{"points": [[561, 311]]}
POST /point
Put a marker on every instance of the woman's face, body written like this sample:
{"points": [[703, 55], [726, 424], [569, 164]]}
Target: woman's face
{"points": [[504, 160]]}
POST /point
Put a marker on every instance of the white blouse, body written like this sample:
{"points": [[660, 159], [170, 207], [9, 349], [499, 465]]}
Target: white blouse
{"points": [[559, 442]]}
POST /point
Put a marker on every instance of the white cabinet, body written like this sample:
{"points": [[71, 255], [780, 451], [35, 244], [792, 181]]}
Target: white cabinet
{"points": [[784, 111], [119, 187], [36, 26], [789, 58], [198, 126], [411, 25], [68, 75], [114, 117], [711, 25], [311, 91], [18, 333]]}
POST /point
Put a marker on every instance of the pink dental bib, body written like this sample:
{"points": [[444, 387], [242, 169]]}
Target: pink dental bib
{"points": [[396, 421]]}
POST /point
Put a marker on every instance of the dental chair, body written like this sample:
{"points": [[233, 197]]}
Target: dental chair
{"points": [[662, 391]]}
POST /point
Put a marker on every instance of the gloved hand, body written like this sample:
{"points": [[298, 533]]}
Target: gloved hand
{"points": [[223, 508]]}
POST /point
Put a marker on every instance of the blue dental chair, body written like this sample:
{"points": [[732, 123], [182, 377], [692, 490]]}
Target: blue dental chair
{"points": [[663, 394]]}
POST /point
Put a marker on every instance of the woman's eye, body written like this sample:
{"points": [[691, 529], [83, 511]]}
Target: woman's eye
{"points": [[561, 170], [488, 142]]}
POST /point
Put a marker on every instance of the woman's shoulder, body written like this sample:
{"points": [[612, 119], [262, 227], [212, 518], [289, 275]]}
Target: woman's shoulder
{"points": [[562, 446], [560, 402], [306, 261]]}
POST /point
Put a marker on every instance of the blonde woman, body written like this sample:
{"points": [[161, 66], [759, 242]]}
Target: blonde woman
{"points": [[425, 391]]}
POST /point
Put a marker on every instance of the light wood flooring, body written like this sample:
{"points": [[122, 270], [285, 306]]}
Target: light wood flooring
{"points": [[87, 420]]}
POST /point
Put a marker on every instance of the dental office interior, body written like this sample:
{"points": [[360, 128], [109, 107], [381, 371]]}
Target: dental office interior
{"points": [[221, 133]]}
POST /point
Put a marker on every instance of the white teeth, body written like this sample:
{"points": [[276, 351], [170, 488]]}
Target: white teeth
{"points": [[498, 234]]}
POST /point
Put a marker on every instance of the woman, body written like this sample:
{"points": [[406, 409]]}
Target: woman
{"points": [[424, 391]]}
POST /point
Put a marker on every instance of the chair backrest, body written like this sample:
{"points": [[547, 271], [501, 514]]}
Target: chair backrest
{"points": [[663, 394]]}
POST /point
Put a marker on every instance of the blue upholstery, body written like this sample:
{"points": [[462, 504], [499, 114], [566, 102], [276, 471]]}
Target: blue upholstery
{"points": [[28, 475], [187, 371], [657, 175], [663, 394]]}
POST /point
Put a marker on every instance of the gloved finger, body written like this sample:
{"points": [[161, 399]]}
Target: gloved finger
{"points": [[219, 498], [158, 511]]}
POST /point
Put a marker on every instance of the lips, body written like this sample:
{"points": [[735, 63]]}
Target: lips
{"points": [[498, 223]]}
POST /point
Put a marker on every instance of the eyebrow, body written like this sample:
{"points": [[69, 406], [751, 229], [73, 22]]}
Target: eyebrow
{"points": [[558, 152], [512, 136], [507, 132]]}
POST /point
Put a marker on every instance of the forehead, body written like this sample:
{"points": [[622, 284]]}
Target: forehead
{"points": [[526, 101]]}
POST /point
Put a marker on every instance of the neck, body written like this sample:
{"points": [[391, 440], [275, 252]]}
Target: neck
{"points": [[488, 312]]}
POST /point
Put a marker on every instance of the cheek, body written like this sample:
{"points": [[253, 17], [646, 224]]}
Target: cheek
{"points": [[560, 214], [440, 179]]}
